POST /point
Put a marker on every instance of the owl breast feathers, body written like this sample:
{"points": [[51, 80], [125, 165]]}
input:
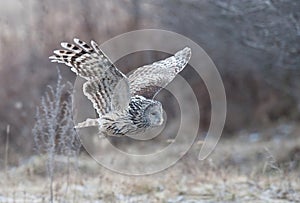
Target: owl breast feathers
{"points": [[125, 105]]}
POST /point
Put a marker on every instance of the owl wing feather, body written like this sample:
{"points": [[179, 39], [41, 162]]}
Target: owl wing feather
{"points": [[108, 92], [106, 87], [85, 60], [148, 80]]}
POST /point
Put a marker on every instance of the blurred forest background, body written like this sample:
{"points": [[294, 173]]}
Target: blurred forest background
{"points": [[255, 46]]}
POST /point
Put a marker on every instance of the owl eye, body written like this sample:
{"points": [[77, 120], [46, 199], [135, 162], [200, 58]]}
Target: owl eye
{"points": [[152, 113]]}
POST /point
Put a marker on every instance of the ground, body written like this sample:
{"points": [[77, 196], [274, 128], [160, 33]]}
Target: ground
{"points": [[246, 168]]}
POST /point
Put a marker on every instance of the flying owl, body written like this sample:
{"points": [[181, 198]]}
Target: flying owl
{"points": [[125, 105]]}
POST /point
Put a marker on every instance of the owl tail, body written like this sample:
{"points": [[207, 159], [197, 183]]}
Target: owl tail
{"points": [[88, 123]]}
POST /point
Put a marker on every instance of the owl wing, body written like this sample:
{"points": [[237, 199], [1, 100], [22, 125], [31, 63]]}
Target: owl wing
{"points": [[148, 80], [85, 60], [106, 87], [108, 92]]}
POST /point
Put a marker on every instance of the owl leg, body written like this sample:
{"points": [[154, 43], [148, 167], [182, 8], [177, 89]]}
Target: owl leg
{"points": [[87, 123]]}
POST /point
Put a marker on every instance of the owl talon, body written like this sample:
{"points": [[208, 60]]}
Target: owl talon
{"points": [[88, 123], [101, 136], [125, 105]]}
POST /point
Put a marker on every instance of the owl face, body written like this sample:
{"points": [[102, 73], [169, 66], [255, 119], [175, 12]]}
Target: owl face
{"points": [[154, 114]]}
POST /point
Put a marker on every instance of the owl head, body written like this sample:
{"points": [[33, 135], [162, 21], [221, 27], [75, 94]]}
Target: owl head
{"points": [[153, 113]]}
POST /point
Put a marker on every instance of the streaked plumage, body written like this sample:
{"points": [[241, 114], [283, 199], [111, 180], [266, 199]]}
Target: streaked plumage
{"points": [[125, 105]]}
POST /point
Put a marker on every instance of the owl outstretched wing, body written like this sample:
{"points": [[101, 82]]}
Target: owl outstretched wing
{"points": [[107, 87], [148, 80], [85, 60]]}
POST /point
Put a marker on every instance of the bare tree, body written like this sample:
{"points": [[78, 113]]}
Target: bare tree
{"points": [[272, 27]]}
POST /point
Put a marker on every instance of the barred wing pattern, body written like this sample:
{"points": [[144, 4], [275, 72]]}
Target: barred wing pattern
{"points": [[107, 88], [85, 60], [148, 80], [108, 92]]}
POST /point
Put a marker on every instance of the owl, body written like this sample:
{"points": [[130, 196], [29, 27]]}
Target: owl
{"points": [[125, 105]]}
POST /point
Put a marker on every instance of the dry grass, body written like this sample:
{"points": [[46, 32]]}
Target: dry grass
{"points": [[236, 172]]}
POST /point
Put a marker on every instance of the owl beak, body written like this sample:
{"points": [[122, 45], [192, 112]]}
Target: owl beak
{"points": [[161, 121]]}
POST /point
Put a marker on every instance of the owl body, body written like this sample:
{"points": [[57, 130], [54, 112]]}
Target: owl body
{"points": [[140, 115], [125, 105]]}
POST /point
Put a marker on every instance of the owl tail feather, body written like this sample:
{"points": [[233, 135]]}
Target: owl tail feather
{"points": [[88, 123]]}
